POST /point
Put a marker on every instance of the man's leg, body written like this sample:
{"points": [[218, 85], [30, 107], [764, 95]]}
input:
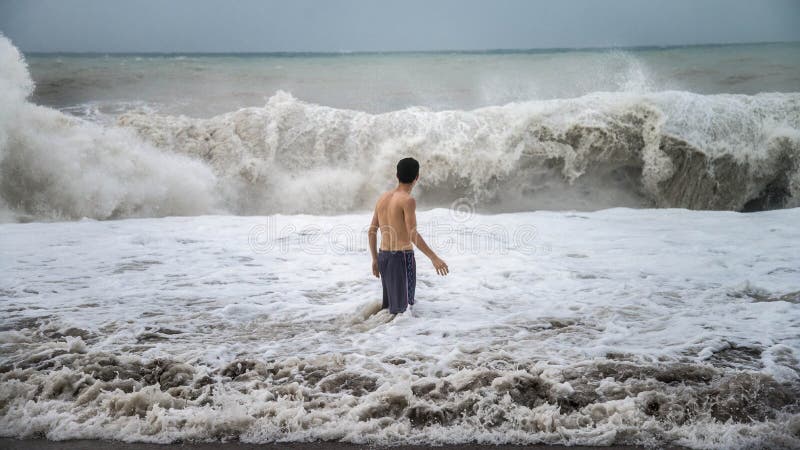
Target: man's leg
{"points": [[385, 303], [411, 276], [382, 270], [396, 282]]}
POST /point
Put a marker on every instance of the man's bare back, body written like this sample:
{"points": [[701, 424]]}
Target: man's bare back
{"points": [[396, 217], [391, 213]]}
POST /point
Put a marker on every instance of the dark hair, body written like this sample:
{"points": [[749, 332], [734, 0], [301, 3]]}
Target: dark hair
{"points": [[407, 170]]}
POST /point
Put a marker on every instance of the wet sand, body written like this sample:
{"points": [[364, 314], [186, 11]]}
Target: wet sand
{"points": [[41, 444]]}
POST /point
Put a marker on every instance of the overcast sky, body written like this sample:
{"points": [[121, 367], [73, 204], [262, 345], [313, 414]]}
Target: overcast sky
{"points": [[387, 25]]}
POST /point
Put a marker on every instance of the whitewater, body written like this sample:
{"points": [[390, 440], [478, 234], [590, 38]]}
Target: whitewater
{"points": [[611, 327], [634, 146], [195, 268]]}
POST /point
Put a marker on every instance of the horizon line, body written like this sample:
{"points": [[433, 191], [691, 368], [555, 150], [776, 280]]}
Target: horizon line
{"points": [[395, 52]]}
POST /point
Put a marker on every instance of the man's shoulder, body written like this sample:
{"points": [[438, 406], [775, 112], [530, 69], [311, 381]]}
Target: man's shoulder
{"points": [[402, 197], [408, 201]]}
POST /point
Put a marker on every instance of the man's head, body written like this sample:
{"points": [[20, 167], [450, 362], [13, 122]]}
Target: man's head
{"points": [[407, 170]]}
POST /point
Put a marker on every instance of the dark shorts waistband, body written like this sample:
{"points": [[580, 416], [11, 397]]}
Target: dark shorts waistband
{"points": [[396, 251]]}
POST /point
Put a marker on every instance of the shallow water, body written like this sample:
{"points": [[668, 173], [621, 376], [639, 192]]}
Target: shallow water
{"points": [[646, 326], [612, 327]]}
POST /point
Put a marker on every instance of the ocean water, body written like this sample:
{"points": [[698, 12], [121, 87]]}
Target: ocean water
{"points": [[652, 326], [208, 85], [184, 251], [699, 128]]}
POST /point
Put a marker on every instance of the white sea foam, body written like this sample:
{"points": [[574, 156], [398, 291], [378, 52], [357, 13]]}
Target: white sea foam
{"points": [[620, 326], [635, 148], [601, 150], [57, 166]]}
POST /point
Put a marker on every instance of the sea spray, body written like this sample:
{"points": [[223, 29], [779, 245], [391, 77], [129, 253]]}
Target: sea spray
{"points": [[55, 166], [634, 148], [665, 149]]}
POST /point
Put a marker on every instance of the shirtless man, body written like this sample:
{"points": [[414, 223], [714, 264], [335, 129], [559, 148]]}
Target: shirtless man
{"points": [[396, 217]]}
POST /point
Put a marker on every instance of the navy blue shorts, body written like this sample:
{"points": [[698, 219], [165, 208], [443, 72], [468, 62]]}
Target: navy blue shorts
{"points": [[399, 278]]}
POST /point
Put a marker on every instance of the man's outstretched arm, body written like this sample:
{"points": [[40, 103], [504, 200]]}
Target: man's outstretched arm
{"points": [[373, 243], [410, 213]]}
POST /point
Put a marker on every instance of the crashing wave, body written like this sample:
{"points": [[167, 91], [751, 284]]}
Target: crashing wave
{"points": [[668, 149], [54, 166], [662, 149]]}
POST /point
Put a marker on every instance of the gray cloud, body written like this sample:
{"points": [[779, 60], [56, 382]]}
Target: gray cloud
{"points": [[377, 25]]}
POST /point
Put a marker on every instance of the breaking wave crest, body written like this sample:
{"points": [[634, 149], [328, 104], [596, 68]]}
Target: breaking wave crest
{"points": [[669, 149], [54, 166], [636, 149]]}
